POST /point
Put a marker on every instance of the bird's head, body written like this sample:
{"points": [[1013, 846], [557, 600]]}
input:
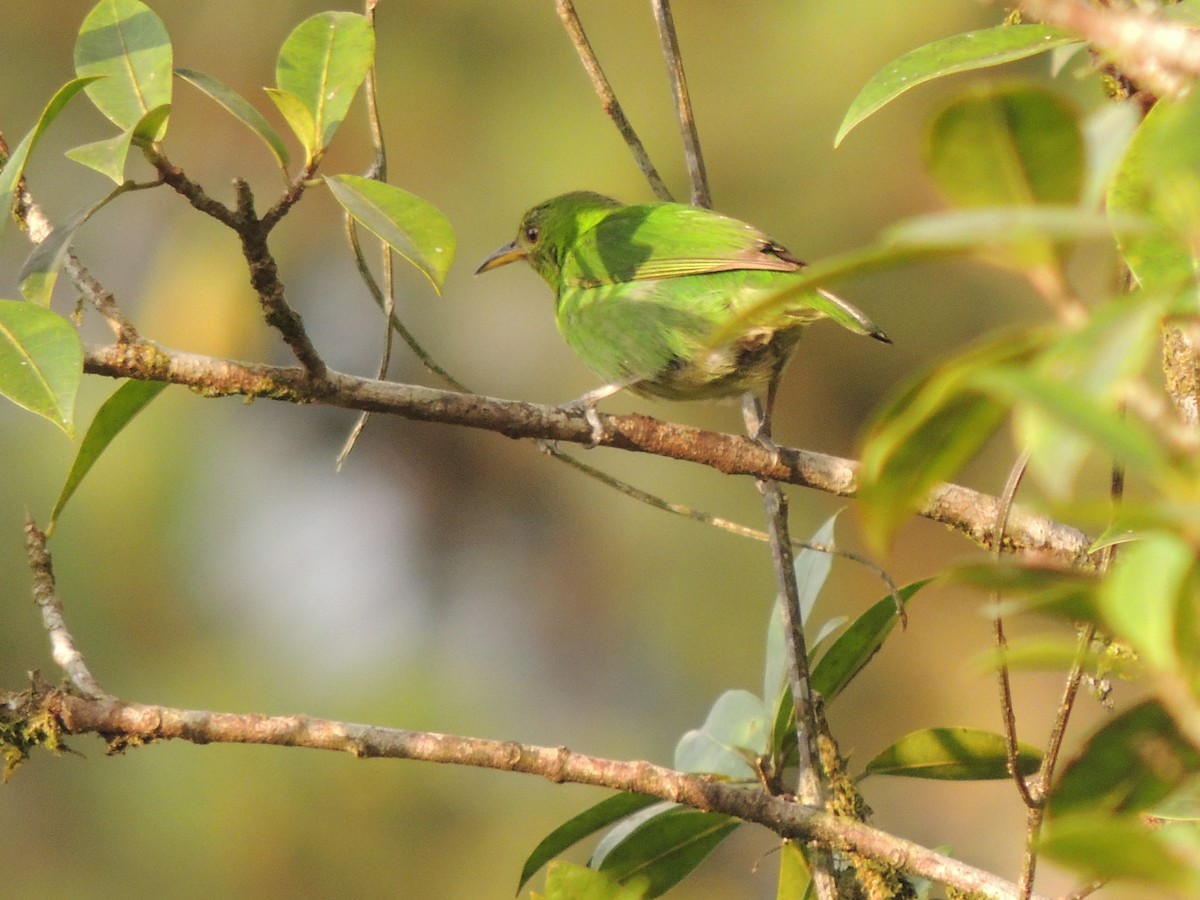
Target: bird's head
{"points": [[548, 231]]}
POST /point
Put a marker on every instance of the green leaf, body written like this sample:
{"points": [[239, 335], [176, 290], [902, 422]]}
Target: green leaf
{"points": [[1132, 763], [12, 168], [605, 813], [409, 225], [1159, 180], [41, 362], [296, 114], [109, 155], [321, 65], [794, 877], [812, 568], [734, 732], [854, 648], [1007, 145], [989, 228], [1066, 593], [929, 431], [1122, 437], [237, 106], [948, 56], [116, 412], [1109, 848], [1148, 594], [665, 847], [952, 754], [125, 41], [570, 881], [40, 269]]}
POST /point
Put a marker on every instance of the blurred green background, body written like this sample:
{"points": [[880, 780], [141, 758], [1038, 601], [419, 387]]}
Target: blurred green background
{"points": [[446, 579]]}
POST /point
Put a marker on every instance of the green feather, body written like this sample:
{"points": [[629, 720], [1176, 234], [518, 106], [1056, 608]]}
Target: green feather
{"points": [[641, 291]]}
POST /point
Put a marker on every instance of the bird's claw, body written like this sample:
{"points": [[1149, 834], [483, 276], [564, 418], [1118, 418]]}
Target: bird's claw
{"points": [[593, 419]]}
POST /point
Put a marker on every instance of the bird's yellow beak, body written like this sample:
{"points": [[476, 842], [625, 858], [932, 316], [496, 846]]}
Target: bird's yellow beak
{"points": [[510, 252]]}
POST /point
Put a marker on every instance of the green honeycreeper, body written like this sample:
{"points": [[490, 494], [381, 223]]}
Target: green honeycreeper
{"points": [[641, 292]]}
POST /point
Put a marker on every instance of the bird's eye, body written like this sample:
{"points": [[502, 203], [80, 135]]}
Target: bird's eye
{"points": [[531, 234]]}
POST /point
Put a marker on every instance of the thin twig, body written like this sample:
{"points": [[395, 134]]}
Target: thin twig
{"points": [[1007, 712], [608, 99], [378, 172], [701, 195], [810, 791], [62, 645]]}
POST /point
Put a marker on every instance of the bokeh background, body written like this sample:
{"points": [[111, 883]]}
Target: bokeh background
{"points": [[446, 579]]}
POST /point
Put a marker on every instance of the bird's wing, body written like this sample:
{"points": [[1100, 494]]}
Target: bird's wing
{"points": [[669, 240]]}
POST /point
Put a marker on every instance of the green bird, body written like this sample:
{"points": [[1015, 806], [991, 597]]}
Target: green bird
{"points": [[642, 291]]}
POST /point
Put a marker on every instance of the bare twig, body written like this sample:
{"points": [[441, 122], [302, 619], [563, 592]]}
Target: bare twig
{"points": [[1007, 712], [701, 195], [122, 723], [62, 644], [388, 293], [608, 100], [958, 507], [811, 789]]}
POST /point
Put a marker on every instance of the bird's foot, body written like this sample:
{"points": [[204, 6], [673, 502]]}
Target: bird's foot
{"points": [[587, 405], [758, 427]]}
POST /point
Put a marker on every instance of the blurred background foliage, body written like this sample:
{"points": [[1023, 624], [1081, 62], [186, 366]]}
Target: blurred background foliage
{"points": [[446, 579]]}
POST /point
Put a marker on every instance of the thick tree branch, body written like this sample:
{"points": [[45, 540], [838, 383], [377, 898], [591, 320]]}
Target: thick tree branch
{"points": [[960, 508], [123, 723]]}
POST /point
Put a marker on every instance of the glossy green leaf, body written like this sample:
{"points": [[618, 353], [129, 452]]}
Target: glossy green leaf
{"points": [[1131, 763], [125, 41], [12, 168], [951, 754], [1112, 848], [948, 56], [409, 225], [322, 64], [605, 813], [41, 362], [1007, 145], [1107, 132], [854, 648], [1159, 180], [1149, 593], [570, 881], [237, 106], [665, 848], [735, 731], [114, 414]]}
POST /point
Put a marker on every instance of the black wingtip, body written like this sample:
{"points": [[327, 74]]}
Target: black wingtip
{"points": [[880, 336]]}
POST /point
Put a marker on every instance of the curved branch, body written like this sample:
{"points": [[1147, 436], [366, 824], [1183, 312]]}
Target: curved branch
{"points": [[122, 723], [960, 508]]}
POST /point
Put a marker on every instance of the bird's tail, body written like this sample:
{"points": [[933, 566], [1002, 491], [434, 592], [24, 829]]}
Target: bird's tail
{"points": [[848, 316]]}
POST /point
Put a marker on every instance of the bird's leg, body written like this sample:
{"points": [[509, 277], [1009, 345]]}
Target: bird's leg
{"points": [[758, 419], [588, 402]]}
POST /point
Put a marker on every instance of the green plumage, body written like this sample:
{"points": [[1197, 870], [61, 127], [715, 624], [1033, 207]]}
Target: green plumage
{"points": [[642, 291]]}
